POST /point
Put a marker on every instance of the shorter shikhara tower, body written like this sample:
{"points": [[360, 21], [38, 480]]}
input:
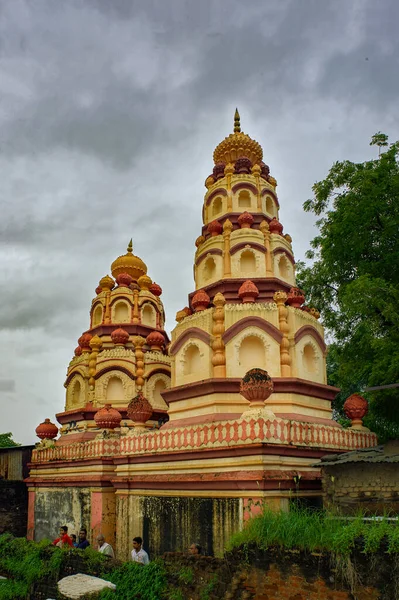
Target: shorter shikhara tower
{"points": [[184, 441]]}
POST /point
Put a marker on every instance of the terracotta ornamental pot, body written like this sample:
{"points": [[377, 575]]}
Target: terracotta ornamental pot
{"points": [[256, 386], [46, 430], [108, 417], [139, 409]]}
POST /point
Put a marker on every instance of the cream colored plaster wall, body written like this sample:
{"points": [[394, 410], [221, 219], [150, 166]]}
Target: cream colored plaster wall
{"points": [[239, 268], [202, 320], [202, 274], [265, 310], [202, 368], [211, 404], [244, 352], [298, 318], [128, 387], [309, 361], [300, 404]]}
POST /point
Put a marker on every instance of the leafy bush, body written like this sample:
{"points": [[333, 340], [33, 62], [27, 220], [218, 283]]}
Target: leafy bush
{"points": [[133, 580]]}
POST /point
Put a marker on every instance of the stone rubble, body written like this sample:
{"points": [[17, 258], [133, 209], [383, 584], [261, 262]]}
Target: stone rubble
{"points": [[80, 585]]}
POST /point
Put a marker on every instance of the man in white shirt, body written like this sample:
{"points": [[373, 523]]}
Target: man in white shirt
{"points": [[138, 554], [104, 547]]}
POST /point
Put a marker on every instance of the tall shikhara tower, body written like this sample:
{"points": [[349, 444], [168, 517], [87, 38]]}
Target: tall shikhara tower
{"points": [[118, 467]]}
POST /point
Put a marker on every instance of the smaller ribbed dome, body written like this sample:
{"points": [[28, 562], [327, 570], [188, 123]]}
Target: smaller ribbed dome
{"points": [[130, 264]]}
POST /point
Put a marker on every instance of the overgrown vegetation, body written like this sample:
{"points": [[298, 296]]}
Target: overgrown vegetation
{"points": [[6, 440], [26, 563], [317, 531]]}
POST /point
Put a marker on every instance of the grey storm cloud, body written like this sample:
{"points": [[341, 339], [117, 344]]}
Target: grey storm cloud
{"points": [[109, 114]]}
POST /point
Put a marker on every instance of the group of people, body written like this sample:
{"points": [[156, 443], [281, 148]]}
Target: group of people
{"points": [[138, 554]]}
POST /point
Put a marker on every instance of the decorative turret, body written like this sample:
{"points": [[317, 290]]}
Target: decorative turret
{"points": [[240, 217], [112, 362]]}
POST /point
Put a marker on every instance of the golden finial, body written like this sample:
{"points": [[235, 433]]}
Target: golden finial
{"points": [[237, 126], [130, 246]]}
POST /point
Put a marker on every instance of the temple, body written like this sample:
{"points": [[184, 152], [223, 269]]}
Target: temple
{"points": [[184, 439]]}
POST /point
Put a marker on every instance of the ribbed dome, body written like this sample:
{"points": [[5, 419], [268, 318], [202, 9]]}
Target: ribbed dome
{"points": [[130, 264], [238, 145]]}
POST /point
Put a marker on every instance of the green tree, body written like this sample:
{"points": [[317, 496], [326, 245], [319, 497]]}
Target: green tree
{"points": [[353, 279], [6, 440]]}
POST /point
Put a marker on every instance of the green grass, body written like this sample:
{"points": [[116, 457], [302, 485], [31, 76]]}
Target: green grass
{"points": [[136, 581], [316, 531]]}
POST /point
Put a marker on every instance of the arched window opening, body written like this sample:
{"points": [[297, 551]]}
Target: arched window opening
{"points": [[97, 316], [115, 391], [121, 313], [76, 392], [217, 206], [283, 267], [192, 360], [269, 205], [209, 269], [159, 387], [309, 359], [247, 262], [252, 353], [148, 316], [244, 199]]}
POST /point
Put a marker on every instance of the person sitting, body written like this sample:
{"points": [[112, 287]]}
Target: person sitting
{"points": [[138, 554], [63, 539], [104, 547], [83, 541], [74, 542], [195, 549]]}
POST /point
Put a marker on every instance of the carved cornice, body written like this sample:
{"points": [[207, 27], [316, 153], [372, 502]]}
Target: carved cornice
{"points": [[244, 185], [265, 326], [193, 332], [217, 192], [249, 244], [309, 330], [284, 251], [203, 256]]}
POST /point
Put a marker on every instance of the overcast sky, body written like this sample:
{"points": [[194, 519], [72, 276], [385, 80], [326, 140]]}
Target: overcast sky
{"points": [[109, 114]]}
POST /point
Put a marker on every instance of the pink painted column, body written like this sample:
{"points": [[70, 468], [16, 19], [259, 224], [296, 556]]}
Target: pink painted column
{"points": [[31, 515], [103, 515]]}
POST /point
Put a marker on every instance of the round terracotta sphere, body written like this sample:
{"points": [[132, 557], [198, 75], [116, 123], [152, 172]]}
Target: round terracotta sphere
{"points": [[356, 407], [200, 301], [139, 409], [155, 289], [124, 280], [46, 430], [119, 336], [275, 226], [248, 291]]}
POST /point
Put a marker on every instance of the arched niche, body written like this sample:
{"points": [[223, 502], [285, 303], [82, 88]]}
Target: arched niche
{"points": [[97, 315], [209, 269], [217, 206], [252, 353], [244, 199], [148, 315], [76, 392], [121, 312], [115, 392], [270, 206], [155, 386], [192, 360], [247, 262], [284, 267]]}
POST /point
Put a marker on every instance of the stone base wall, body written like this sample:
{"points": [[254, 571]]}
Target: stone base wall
{"points": [[373, 488], [13, 507]]}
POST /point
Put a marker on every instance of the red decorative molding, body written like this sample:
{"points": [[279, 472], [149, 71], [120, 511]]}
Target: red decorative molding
{"points": [[284, 251], [131, 328], [205, 254], [120, 296], [114, 368], [244, 186], [252, 322], [193, 332], [309, 330], [229, 288], [217, 192], [253, 245], [233, 218]]}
